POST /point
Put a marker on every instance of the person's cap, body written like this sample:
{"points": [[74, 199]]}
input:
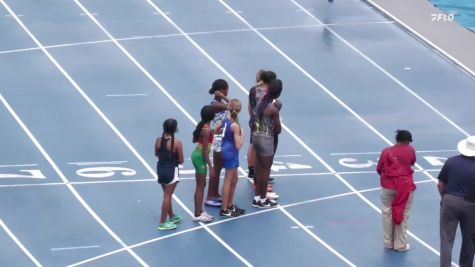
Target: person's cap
{"points": [[466, 147]]}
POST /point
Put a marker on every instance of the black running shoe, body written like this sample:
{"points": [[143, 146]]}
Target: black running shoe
{"points": [[268, 203], [228, 213], [271, 180], [236, 209]]}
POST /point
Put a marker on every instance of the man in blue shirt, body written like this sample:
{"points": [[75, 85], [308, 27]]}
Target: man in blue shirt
{"points": [[457, 189]]}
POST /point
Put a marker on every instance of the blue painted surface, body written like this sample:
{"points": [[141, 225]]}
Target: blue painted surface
{"points": [[70, 130], [49, 217], [56, 22]]}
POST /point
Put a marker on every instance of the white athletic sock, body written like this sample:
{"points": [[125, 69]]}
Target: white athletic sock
{"points": [[256, 198], [262, 200]]}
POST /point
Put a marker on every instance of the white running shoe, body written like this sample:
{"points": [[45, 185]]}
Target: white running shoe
{"points": [[272, 195], [202, 218], [207, 215]]}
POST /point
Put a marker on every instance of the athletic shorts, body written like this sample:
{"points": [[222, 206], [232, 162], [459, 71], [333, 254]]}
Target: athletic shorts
{"points": [[263, 145], [199, 161], [167, 174], [230, 157]]}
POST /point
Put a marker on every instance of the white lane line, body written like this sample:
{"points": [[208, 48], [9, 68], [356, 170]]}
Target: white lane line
{"points": [[18, 243], [306, 226], [425, 41], [190, 179], [377, 153], [322, 242], [126, 95], [75, 248], [97, 163], [132, 38], [396, 80], [46, 155], [143, 243], [286, 156], [126, 142], [18, 165], [229, 12], [92, 14], [315, 155]]}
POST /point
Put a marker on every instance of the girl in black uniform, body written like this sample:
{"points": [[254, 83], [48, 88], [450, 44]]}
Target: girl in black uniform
{"points": [[169, 151]]}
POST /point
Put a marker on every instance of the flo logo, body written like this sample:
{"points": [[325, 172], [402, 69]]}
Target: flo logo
{"points": [[442, 17]]}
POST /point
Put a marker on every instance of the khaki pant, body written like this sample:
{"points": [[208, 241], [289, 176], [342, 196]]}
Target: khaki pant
{"points": [[395, 236]]}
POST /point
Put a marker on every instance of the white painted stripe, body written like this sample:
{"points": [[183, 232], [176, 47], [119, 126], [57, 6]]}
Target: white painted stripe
{"points": [[286, 156], [127, 95], [18, 165], [74, 248], [306, 226], [377, 153], [372, 205], [242, 88], [131, 38], [18, 243], [46, 155], [97, 163], [425, 40], [396, 80]]}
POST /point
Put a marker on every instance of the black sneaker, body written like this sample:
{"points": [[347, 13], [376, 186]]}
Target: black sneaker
{"points": [[236, 209], [268, 203], [271, 180], [228, 213], [250, 173]]}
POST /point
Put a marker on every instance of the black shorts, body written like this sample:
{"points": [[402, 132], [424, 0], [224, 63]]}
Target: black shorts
{"points": [[167, 174]]}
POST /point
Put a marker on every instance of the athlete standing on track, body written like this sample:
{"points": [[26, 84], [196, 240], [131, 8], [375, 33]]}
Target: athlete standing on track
{"points": [[220, 91], [233, 138], [169, 152], [203, 135], [266, 123], [250, 106]]}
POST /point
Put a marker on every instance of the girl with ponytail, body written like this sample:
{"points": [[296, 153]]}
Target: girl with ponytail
{"points": [[203, 136], [169, 151], [233, 138]]}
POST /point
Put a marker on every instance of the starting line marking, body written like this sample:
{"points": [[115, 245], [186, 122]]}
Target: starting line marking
{"points": [[377, 153], [97, 163], [72, 248], [18, 165], [120, 95]]}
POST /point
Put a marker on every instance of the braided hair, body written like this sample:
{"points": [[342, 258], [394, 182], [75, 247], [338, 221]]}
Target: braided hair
{"points": [[207, 115], [170, 128]]}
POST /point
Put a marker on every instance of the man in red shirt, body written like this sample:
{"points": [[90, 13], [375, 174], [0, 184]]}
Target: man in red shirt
{"points": [[395, 168]]}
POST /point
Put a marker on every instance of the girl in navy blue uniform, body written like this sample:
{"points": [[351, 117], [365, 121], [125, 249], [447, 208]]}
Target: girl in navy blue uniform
{"points": [[169, 151], [232, 141]]}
